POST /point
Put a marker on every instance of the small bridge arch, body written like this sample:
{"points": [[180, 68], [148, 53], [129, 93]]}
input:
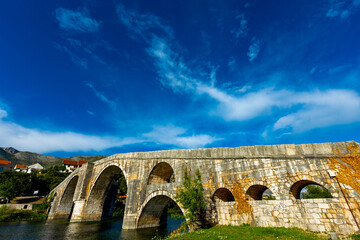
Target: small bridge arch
{"points": [[161, 173], [151, 212]]}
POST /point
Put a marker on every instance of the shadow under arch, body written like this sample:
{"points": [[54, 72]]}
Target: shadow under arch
{"points": [[161, 173], [223, 195], [102, 196], [257, 191], [66, 203], [297, 187], [153, 212]]}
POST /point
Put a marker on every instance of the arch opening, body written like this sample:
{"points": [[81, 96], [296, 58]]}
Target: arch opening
{"points": [[307, 189], [67, 201], [155, 213], [108, 196], [223, 195], [259, 192], [162, 173]]}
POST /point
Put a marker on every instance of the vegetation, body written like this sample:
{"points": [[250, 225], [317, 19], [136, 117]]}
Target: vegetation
{"points": [[315, 191], [191, 198], [247, 232], [11, 215], [14, 184], [119, 206]]}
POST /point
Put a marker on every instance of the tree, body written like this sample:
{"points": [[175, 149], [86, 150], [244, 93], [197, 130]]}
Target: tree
{"points": [[315, 191], [191, 197]]}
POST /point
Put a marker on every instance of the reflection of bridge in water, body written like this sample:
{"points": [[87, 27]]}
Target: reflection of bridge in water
{"points": [[234, 180]]}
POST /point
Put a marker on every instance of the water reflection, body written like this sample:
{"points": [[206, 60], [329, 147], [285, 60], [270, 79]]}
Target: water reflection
{"points": [[90, 231]]}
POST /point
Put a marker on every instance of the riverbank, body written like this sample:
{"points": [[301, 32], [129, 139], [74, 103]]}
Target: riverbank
{"points": [[255, 233], [15, 215]]}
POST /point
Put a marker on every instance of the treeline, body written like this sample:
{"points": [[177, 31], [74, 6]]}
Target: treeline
{"points": [[15, 184]]}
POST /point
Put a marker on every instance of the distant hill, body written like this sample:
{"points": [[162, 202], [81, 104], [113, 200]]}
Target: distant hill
{"points": [[28, 158]]}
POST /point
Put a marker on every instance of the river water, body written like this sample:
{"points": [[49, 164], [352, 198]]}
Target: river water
{"points": [[98, 230]]}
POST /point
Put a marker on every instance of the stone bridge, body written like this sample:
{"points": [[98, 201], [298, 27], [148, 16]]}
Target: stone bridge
{"points": [[234, 181]]}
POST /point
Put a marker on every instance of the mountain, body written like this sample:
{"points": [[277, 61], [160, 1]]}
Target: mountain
{"points": [[29, 158]]}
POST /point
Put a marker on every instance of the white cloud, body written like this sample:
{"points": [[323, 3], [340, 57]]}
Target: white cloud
{"points": [[173, 135], [254, 50], [42, 141], [15, 135], [322, 109], [76, 21]]}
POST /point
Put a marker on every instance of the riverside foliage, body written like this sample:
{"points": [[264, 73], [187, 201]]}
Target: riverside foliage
{"points": [[14, 184]]}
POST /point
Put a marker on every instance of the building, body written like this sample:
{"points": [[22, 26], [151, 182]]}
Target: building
{"points": [[71, 165], [20, 168], [34, 167], [5, 165]]}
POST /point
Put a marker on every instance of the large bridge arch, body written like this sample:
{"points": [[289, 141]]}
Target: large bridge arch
{"points": [[63, 201], [101, 197], [151, 212]]}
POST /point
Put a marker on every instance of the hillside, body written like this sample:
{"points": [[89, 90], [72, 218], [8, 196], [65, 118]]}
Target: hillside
{"points": [[28, 158]]}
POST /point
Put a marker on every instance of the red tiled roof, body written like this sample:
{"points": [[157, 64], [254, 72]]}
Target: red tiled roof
{"points": [[19, 166], [69, 162], [81, 162], [5, 162]]}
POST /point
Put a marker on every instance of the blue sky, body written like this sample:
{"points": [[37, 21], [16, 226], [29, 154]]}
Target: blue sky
{"points": [[104, 77]]}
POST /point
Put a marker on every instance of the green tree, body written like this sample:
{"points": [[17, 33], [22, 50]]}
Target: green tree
{"points": [[191, 197], [315, 191]]}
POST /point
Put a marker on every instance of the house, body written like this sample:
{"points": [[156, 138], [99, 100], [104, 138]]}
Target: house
{"points": [[34, 167], [5, 165], [72, 165], [81, 162], [20, 168]]}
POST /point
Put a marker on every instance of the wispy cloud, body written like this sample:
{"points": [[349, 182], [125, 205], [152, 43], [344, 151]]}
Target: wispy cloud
{"points": [[172, 135], [342, 9], [76, 21], [254, 50], [44, 141], [305, 110], [241, 29], [143, 25], [101, 96], [82, 62]]}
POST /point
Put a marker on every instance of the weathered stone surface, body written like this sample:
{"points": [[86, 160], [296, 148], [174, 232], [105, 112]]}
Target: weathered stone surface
{"points": [[284, 169]]}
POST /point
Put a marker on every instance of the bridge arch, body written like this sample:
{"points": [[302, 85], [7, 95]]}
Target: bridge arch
{"points": [[101, 197], [223, 195], [297, 187], [66, 202], [152, 211], [161, 173], [256, 192]]}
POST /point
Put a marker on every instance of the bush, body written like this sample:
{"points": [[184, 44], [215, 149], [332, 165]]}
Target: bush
{"points": [[191, 198]]}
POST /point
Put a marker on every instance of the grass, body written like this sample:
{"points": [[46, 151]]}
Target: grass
{"points": [[13, 215], [246, 232]]}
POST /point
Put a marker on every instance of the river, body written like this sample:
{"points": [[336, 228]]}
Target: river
{"points": [[97, 230]]}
